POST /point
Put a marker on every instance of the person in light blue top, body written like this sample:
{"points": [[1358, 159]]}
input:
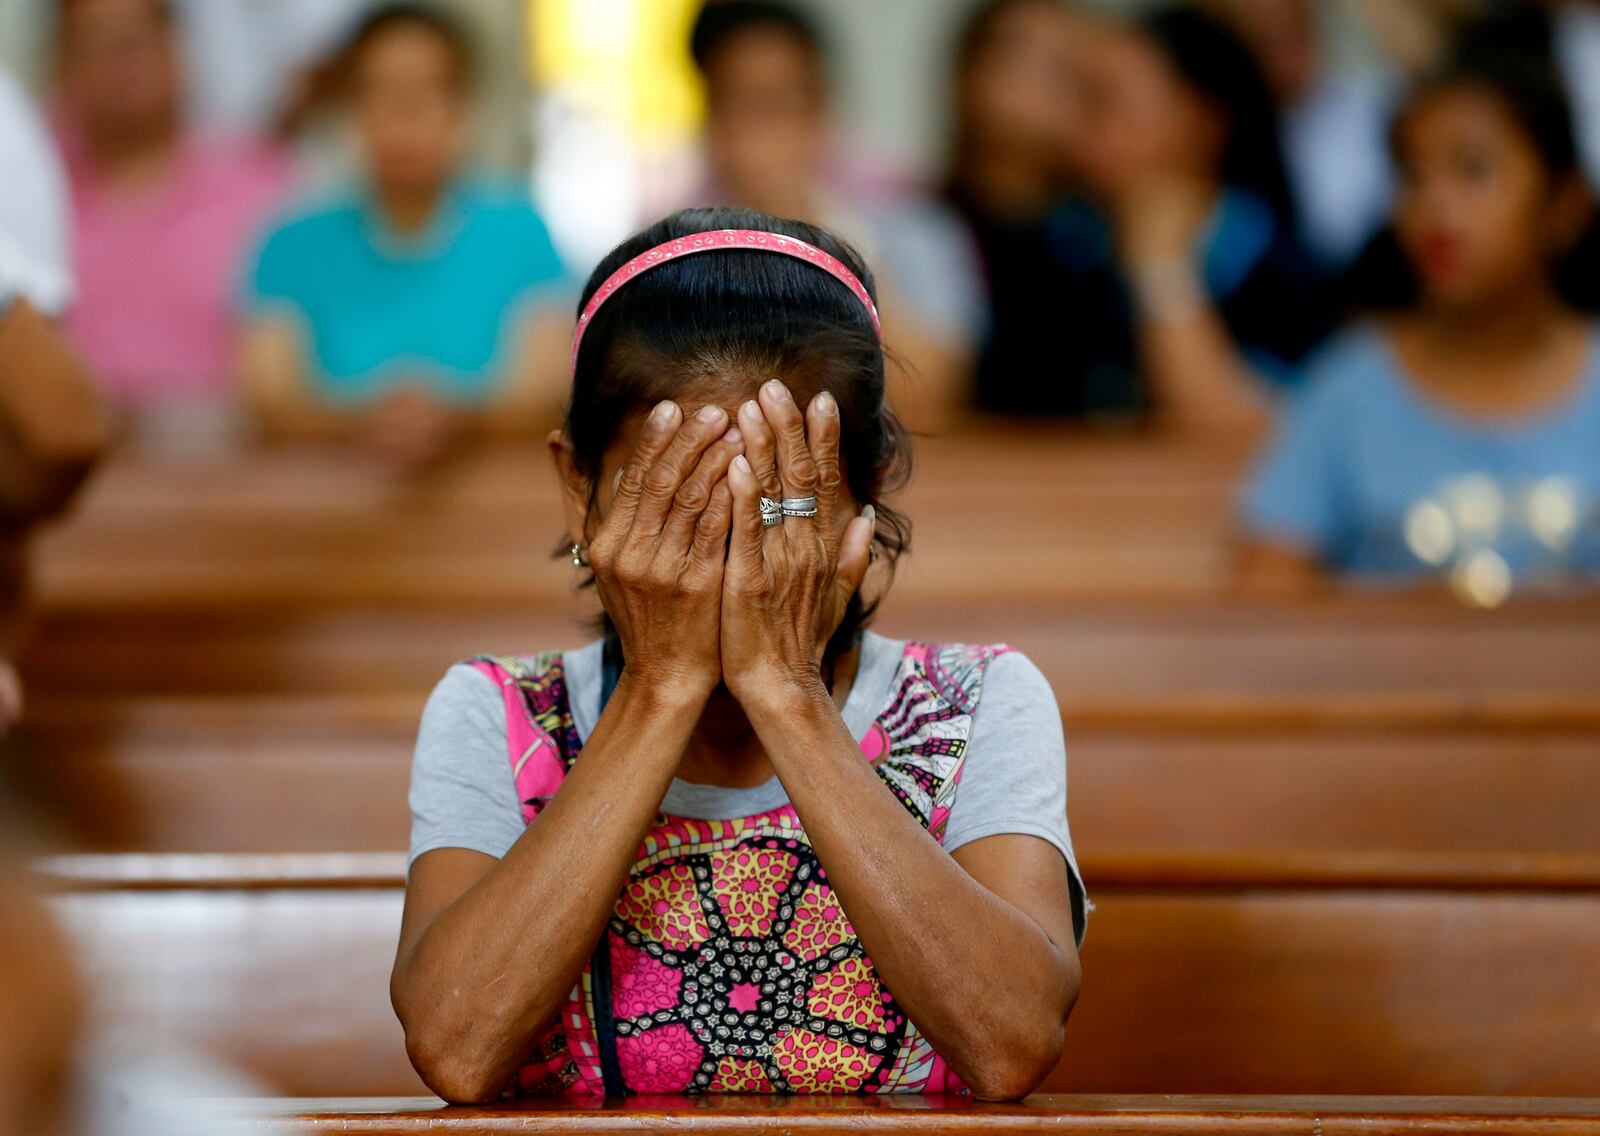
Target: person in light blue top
{"points": [[1378, 477], [407, 312], [1459, 436]]}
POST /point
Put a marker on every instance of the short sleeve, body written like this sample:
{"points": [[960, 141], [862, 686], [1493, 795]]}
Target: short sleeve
{"points": [[290, 270], [463, 794], [1294, 494], [1014, 779], [274, 277], [541, 263]]}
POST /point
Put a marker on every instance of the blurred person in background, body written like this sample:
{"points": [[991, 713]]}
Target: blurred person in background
{"points": [[1194, 297], [1332, 120], [1459, 433], [1418, 35], [415, 307], [249, 61], [770, 146], [1015, 121], [52, 426], [1566, 34], [163, 217], [63, 1071], [34, 211]]}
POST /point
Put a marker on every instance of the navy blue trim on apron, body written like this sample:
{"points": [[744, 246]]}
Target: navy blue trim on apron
{"points": [[605, 1025]]}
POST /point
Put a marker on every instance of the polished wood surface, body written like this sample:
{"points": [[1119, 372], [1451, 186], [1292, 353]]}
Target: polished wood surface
{"points": [[1227, 985], [330, 773], [302, 528], [1086, 1114], [1187, 665]]}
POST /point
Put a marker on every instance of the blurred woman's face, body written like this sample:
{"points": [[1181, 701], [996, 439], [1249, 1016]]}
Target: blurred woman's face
{"points": [[765, 122], [1018, 92], [1473, 210], [1142, 122], [119, 68], [411, 112]]}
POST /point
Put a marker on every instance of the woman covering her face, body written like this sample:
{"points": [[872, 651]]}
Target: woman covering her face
{"points": [[740, 843]]}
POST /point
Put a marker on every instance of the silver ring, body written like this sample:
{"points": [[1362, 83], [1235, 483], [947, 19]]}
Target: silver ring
{"points": [[771, 512], [799, 506], [771, 520]]}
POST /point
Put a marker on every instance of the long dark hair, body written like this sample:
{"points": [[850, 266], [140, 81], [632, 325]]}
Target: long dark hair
{"points": [[1210, 58], [713, 327], [975, 37]]}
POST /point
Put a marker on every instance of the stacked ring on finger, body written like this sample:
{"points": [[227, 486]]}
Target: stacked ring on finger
{"points": [[799, 506], [771, 512]]}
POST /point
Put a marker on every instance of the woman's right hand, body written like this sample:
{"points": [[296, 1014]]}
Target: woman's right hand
{"points": [[659, 554]]}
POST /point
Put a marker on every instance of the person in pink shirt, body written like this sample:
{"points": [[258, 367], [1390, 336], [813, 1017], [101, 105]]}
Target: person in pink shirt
{"points": [[162, 218]]}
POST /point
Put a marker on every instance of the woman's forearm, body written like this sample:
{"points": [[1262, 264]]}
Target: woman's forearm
{"points": [[492, 969], [979, 977]]}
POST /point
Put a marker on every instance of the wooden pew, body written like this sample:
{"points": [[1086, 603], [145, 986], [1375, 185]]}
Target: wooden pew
{"points": [[853, 1116], [305, 527], [276, 964], [329, 774], [1264, 978], [1374, 662]]}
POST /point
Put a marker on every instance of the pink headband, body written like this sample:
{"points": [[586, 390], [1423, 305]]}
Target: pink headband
{"points": [[720, 239]]}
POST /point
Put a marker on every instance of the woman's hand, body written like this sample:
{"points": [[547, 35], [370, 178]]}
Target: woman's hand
{"points": [[1157, 222], [786, 587], [659, 555]]}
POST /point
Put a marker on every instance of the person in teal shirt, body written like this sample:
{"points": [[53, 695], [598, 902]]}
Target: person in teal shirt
{"points": [[422, 305]]}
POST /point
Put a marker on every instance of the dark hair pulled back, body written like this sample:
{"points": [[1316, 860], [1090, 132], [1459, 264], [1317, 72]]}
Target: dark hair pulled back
{"points": [[712, 327], [1212, 60]]}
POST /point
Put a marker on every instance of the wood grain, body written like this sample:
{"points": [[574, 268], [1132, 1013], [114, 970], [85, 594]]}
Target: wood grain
{"points": [[329, 773], [282, 964], [1099, 1115]]}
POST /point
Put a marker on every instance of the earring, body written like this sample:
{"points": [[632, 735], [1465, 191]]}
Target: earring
{"points": [[580, 556]]}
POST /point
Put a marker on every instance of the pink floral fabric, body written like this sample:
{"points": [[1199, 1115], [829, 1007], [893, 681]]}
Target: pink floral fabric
{"points": [[732, 965]]}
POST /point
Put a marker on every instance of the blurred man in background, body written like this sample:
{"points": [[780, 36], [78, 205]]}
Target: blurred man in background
{"points": [[769, 146], [162, 216], [418, 305]]}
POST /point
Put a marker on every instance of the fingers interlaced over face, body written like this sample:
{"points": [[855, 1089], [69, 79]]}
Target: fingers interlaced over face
{"points": [[822, 439], [659, 430], [703, 496], [797, 469], [680, 491], [761, 449]]}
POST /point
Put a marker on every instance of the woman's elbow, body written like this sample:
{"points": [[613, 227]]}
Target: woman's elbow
{"points": [[1017, 1071], [453, 1072], [446, 1055], [1019, 1063]]}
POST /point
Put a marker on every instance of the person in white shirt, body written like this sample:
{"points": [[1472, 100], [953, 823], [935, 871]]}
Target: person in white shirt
{"points": [[34, 251], [52, 425]]}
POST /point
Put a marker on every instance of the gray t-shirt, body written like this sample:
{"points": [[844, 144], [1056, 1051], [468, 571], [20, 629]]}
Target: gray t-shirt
{"points": [[1014, 779]]}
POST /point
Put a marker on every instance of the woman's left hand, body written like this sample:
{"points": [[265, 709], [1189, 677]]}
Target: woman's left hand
{"points": [[785, 588]]}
